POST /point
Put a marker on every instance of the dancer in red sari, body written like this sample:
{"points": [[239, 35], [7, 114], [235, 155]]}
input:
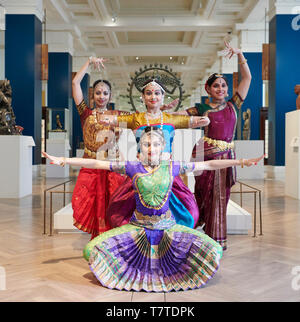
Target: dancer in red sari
{"points": [[94, 187], [212, 188]]}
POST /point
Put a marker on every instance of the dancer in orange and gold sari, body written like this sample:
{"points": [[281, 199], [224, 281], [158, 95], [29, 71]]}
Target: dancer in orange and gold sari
{"points": [[94, 187]]}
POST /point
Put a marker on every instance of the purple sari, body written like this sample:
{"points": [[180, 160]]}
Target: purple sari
{"points": [[212, 188], [152, 252]]}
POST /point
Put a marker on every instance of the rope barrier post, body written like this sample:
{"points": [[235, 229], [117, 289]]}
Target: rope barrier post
{"points": [[260, 214], [51, 214], [64, 194], [254, 214], [241, 194], [45, 212]]}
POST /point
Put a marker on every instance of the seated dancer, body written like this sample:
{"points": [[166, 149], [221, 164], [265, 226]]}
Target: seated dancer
{"points": [[152, 252], [182, 202]]}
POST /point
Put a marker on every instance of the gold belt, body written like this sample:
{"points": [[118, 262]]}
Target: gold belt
{"points": [[222, 145]]}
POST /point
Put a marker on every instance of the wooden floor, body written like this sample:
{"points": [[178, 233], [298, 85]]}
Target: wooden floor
{"points": [[36, 267]]}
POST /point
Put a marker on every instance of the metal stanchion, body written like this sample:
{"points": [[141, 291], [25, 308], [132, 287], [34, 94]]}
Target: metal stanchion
{"points": [[51, 200]]}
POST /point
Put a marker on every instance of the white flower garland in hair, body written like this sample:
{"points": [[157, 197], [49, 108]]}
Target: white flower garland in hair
{"points": [[154, 83]]}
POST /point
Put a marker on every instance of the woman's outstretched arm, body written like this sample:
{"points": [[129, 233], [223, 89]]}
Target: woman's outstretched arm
{"points": [[86, 163], [220, 164]]}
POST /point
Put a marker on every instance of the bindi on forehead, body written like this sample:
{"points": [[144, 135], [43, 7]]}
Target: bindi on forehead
{"points": [[219, 82], [102, 87]]}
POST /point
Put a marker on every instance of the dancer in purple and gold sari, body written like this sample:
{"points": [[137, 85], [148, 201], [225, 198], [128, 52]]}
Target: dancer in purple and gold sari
{"points": [[152, 252], [212, 188]]}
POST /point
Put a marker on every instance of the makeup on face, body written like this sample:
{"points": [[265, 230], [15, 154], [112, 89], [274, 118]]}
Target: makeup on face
{"points": [[153, 95], [219, 88], [101, 95], [151, 149]]}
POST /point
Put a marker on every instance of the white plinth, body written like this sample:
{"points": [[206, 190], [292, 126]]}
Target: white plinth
{"points": [[292, 158], [246, 149], [63, 220], [59, 148], [16, 166], [238, 220], [57, 135]]}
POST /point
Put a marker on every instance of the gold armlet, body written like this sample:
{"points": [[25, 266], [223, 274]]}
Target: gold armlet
{"points": [[242, 163], [243, 62]]}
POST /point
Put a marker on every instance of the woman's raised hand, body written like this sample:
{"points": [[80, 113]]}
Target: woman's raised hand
{"points": [[230, 51], [54, 160], [97, 62], [170, 105]]}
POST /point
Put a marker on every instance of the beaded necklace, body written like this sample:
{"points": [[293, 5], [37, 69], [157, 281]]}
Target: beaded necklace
{"points": [[161, 119]]}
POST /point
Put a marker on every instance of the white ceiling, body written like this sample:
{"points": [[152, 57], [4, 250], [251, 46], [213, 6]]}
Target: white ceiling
{"points": [[189, 31]]}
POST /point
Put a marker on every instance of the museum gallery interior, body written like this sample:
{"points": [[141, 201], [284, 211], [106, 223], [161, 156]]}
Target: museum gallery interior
{"points": [[149, 151]]}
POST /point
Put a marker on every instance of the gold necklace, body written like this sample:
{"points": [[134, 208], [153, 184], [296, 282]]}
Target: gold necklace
{"points": [[95, 111]]}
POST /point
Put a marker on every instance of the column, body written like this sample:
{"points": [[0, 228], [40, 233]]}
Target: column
{"points": [[284, 35], [59, 87], [252, 36], [23, 38], [85, 84]]}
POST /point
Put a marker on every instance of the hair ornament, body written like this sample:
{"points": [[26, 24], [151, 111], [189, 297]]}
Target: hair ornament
{"points": [[153, 82]]}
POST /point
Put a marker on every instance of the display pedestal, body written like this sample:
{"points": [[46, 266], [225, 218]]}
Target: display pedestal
{"points": [[246, 149], [57, 135], [63, 220], [60, 148], [16, 166], [292, 158], [239, 221]]}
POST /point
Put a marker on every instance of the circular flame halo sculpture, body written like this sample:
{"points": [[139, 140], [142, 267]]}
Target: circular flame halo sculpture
{"points": [[165, 75]]}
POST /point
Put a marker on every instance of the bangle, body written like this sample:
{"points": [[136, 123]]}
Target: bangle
{"points": [[243, 62], [191, 121], [242, 163], [63, 162]]}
